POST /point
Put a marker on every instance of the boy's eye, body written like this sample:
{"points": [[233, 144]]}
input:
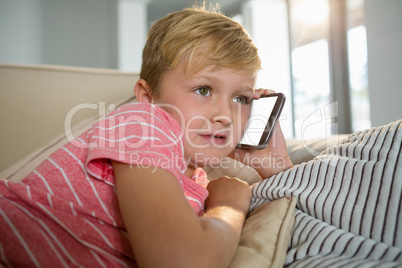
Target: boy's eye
{"points": [[240, 99], [204, 91]]}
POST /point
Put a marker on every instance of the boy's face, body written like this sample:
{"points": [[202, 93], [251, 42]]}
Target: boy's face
{"points": [[212, 108]]}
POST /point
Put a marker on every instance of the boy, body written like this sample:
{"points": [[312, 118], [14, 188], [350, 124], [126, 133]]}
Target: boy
{"points": [[129, 191]]}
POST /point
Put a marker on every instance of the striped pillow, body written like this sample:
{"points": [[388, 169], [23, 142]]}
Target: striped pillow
{"points": [[348, 211]]}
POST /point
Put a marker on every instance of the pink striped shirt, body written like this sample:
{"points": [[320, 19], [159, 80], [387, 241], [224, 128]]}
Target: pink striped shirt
{"points": [[65, 213]]}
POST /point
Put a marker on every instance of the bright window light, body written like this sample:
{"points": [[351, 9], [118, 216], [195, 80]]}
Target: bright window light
{"points": [[311, 11]]}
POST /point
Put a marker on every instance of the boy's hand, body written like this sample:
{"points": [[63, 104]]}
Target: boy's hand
{"points": [[270, 160], [230, 192]]}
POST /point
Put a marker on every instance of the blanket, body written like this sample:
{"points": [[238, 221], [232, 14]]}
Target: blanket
{"points": [[348, 211]]}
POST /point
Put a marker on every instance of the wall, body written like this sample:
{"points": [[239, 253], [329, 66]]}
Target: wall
{"points": [[132, 31], [75, 32], [384, 39], [20, 30]]}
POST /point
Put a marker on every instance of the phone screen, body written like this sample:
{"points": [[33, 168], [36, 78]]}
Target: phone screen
{"points": [[264, 115], [261, 111]]}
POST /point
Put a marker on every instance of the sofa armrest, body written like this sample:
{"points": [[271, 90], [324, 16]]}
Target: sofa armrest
{"points": [[36, 101]]}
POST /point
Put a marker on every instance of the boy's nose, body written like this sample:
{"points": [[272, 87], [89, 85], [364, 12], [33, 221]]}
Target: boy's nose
{"points": [[222, 114], [225, 120]]}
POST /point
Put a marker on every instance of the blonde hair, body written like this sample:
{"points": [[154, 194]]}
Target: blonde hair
{"points": [[199, 37]]}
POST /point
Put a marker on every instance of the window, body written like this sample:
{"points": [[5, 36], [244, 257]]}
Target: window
{"points": [[300, 41], [267, 22], [310, 67], [357, 57]]}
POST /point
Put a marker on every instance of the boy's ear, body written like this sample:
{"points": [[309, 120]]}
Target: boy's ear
{"points": [[142, 91]]}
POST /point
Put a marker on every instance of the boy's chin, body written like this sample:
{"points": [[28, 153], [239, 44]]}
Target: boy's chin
{"points": [[215, 149], [207, 160]]}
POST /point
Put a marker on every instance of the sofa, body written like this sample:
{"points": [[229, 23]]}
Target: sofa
{"points": [[44, 106]]}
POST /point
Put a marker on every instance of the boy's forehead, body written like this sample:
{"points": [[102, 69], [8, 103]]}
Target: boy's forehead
{"points": [[210, 72], [201, 59], [213, 74]]}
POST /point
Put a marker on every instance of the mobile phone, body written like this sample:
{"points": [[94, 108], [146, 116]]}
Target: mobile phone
{"points": [[263, 118]]}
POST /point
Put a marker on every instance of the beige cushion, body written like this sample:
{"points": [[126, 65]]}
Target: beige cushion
{"points": [[266, 235], [35, 101], [24, 166], [303, 151]]}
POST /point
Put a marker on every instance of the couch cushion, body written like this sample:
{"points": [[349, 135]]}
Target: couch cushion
{"points": [[37, 100], [266, 235], [24, 166], [304, 150]]}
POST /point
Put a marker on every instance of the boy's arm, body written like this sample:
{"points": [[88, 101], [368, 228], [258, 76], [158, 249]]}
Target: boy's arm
{"points": [[164, 230]]}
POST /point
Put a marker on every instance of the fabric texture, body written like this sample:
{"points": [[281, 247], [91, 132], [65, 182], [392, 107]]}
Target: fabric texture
{"points": [[65, 213], [266, 234], [348, 211]]}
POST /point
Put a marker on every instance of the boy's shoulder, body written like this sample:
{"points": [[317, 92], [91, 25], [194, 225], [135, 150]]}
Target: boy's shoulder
{"points": [[145, 112], [135, 107]]}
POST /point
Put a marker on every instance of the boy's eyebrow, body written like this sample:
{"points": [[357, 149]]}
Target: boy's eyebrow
{"points": [[248, 90], [244, 90], [206, 77]]}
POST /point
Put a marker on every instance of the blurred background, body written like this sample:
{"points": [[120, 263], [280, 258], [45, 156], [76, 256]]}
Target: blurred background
{"points": [[339, 62]]}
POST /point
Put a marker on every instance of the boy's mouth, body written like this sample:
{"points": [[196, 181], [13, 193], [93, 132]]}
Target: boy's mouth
{"points": [[217, 139]]}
